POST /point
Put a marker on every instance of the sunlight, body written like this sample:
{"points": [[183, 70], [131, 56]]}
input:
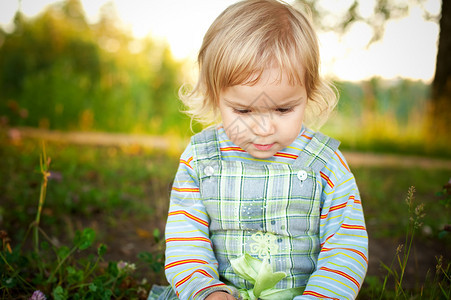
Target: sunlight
{"points": [[408, 48]]}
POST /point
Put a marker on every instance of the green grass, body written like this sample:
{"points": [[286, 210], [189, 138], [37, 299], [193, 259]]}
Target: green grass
{"points": [[121, 194], [383, 191], [118, 194], [84, 181]]}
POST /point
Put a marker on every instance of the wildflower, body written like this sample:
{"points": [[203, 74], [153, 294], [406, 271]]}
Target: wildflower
{"points": [[38, 295], [57, 176], [125, 267], [410, 196]]}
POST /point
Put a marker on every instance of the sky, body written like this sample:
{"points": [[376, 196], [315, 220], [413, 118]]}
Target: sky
{"points": [[408, 48]]}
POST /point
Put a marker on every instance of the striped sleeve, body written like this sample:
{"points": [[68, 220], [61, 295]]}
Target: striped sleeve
{"points": [[343, 258], [190, 266]]}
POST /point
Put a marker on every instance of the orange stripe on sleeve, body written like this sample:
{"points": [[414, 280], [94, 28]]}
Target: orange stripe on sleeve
{"points": [[349, 249], [203, 272], [187, 162], [188, 215], [202, 239], [342, 274], [306, 136], [185, 261], [187, 190], [287, 155], [318, 295], [333, 208], [232, 149], [342, 162], [329, 182], [336, 207], [329, 237], [356, 201], [358, 227]]}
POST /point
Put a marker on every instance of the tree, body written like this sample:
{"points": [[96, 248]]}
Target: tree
{"points": [[58, 71], [438, 118]]}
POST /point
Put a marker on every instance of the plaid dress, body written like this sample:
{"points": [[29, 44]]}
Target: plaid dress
{"points": [[268, 210], [271, 212]]}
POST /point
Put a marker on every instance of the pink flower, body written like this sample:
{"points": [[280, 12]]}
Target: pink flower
{"points": [[38, 295]]}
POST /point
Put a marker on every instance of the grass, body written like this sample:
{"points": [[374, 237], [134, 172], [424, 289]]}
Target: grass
{"points": [[100, 228], [100, 208], [383, 191]]}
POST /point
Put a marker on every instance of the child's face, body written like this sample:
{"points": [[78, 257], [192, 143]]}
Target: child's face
{"points": [[266, 117]]}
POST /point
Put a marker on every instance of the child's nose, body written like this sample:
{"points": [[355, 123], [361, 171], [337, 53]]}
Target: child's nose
{"points": [[263, 126]]}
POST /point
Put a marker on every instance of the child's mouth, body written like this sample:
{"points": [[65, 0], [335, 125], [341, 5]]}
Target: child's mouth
{"points": [[264, 147]]}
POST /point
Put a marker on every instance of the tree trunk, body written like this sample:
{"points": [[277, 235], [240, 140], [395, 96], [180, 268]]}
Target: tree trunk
{"points": [[439, 112]]}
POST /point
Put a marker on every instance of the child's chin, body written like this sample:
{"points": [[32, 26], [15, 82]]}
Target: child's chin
{"points": [[262, 154]]}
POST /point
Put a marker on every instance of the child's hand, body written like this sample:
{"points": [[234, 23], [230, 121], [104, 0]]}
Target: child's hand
{"points": [[220, 296]]}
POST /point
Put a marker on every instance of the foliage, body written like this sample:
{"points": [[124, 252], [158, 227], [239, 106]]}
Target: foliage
{"points": [[375, 15], [354, 12], [385, 116], [57, 271], [59, 72], [438, 287], [403, 250], [61, 263]]}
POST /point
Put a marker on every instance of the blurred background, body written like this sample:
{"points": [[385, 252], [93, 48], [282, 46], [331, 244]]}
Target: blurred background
{"points": [[98, 80], [116, 66]]}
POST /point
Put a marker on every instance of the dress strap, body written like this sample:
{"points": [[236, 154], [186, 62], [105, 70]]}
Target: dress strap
{"points": [[317, 152], [206, 144]]}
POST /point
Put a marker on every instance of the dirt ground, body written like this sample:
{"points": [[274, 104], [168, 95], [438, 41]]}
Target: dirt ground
{"points": [[158, 142]]}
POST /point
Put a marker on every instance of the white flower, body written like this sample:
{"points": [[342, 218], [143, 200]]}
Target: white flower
{"points": [[125, 267]]}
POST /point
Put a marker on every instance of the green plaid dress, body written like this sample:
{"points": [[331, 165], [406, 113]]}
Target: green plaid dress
{"points": [[268, 211]]}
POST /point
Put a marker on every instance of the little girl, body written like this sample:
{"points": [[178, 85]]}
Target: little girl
{"points": [[262, 207]]}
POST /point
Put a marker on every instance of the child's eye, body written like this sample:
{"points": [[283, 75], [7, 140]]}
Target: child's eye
{"points": [[284, 110], [241, 111]]}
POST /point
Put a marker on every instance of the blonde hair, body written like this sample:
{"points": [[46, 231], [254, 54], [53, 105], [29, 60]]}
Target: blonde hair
{"points": [[249, 37]]}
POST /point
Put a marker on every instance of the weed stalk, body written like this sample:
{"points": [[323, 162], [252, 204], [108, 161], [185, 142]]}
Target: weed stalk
{"points": [[44, 169], [415, 216]]}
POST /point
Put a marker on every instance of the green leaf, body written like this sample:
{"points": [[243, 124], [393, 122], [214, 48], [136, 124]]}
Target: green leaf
{"points": [[112, 269], [84, 239], [145, 256], [107, 294], [101, 250], [93, 287], [9, 282], [266, 278], [156, 235], [45, 245], [75, 276], [62, 252], [59, 293]]}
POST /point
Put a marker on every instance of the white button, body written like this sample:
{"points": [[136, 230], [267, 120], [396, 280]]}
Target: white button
{"points": [[302, 175], [209, 170]]}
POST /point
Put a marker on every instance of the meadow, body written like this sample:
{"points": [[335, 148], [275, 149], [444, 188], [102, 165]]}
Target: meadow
{"points": [[101, 224], [87, 222]]}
